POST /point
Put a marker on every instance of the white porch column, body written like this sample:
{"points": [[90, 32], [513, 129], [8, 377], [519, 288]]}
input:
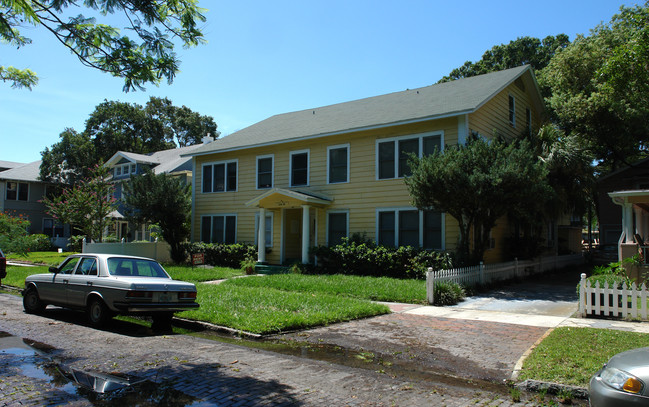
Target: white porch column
{"points": [[261, 239], [627, 219], [306, 223]]}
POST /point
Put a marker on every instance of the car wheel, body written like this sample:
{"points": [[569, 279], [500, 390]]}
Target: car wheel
{"points": [[162, 321], [98, 313], [32, 302]]}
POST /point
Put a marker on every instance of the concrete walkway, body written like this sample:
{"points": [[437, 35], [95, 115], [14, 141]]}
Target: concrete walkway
{"points": [[543, 321]]}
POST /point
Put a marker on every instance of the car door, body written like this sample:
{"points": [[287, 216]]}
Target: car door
{"points": [[81, 282], [53, 290]]}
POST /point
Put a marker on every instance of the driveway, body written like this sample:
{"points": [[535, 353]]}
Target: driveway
{"points": [[551, 295], [482, 338]]}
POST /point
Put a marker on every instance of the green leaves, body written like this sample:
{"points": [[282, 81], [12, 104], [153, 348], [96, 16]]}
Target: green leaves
{"points": [[478, 183], [147, 57]]}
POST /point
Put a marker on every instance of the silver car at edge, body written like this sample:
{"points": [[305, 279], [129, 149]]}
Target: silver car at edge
{"points": [[108, 284], [623, 381]]}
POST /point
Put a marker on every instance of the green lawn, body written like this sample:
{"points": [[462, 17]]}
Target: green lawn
{"points": [[572, 355], [367, 288], [49, 258], [264, 310]]}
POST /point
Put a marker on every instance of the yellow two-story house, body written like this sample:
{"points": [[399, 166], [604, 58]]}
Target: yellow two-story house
{"points": [[307, 178]]}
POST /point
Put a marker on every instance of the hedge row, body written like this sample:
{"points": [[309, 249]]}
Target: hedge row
{"points": [[368, 259], [224, 255]]}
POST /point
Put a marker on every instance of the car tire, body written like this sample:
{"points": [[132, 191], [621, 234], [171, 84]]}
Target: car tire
{"points": [[162, 321], [98, 312], [32, 302]]}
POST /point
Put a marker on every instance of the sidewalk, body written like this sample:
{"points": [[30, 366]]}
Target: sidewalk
{"points": [[544, 321]]}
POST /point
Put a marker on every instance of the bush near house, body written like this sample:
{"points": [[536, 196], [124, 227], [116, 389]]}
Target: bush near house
{"points": [[224, 255], [367, 259]]}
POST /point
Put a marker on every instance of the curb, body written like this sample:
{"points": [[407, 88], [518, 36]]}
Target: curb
{"points": [[553, 388]]}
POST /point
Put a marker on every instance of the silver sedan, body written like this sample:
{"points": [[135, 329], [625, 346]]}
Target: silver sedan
{"points": [[107, 284]]}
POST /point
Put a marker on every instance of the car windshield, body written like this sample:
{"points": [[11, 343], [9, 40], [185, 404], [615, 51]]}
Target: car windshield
{"points": [[118, 266]]}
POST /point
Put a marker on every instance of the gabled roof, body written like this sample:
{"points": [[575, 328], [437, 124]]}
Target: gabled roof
{"points": [[24, 172], [7, 165], [162, 162], [432, 102]]}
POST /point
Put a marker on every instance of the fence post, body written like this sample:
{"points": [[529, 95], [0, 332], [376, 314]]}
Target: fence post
{"points": [[430, 286], [155, 249], [482, 282], [516, 267], [582, 295], [83, 245], [123, 241]]}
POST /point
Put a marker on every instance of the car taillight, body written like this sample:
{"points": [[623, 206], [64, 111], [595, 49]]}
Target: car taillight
{"points": [[139, 294], [187, 295]]}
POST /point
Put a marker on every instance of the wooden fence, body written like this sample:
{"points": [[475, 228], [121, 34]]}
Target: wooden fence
{"points": [[490, 273], [612, 301]]}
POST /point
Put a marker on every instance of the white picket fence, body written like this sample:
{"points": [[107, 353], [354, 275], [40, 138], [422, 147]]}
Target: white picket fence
{"points": [[490, 273], [612, 301]]}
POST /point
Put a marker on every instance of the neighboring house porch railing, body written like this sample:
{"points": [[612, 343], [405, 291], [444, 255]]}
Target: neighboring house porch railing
{"points": [[158, 250], [489, 273], [612, 301]]}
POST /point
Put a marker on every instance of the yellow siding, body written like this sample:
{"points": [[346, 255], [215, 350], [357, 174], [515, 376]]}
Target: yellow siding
{"points": [[493, 117], [363, 194]]}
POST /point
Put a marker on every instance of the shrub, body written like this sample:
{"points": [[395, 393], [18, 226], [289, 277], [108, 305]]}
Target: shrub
{"points": [[448, 293], [76, 243], [39, 243], [225, 255], [363, 258]]}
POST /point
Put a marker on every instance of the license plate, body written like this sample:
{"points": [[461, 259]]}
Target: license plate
{"points": [[164, 297]]}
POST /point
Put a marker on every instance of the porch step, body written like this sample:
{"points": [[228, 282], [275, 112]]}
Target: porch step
{"points": [[269, 269]]}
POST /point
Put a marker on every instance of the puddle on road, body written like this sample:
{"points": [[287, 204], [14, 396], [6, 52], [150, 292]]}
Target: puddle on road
{"points": [[34, 360]]}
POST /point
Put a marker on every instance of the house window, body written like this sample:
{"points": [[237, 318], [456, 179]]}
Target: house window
{"points": [[118, 171], [299, 168], [133, 168], [219, 229], [269, 229], [410, 227], [338, 164], [337, 227], [528, 119], [393, 154], [264, 172], [52, 229], [220, 177], [17, 191], [512, 111]]}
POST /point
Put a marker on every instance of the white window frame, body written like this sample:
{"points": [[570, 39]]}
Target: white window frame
{"points": [[18, 189], [269, 242], [511, 110], [396, 141], [225, 181], [308, 167], [337, 211], [396, 211], [223, 215], [338, 147], [272, 170]]}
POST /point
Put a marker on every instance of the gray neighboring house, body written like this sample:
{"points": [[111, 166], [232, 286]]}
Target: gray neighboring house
{"points": [[20, 193], [124, 164]]}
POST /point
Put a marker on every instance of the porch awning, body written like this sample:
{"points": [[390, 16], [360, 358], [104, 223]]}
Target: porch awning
{"points": [[115, 215], [278, 198], [639, 197]]}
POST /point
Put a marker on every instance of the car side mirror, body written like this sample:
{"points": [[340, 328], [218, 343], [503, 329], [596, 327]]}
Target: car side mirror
{"points": [[54, 269]]}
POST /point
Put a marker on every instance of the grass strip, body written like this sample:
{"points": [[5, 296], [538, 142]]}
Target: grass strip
{"points": [[49, 258], [572, 355], [200, 274], [263, 310], [16, 274], [368, 288]]}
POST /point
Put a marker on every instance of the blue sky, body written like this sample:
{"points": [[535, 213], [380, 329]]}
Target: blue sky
{"points": [[265, 58]]}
